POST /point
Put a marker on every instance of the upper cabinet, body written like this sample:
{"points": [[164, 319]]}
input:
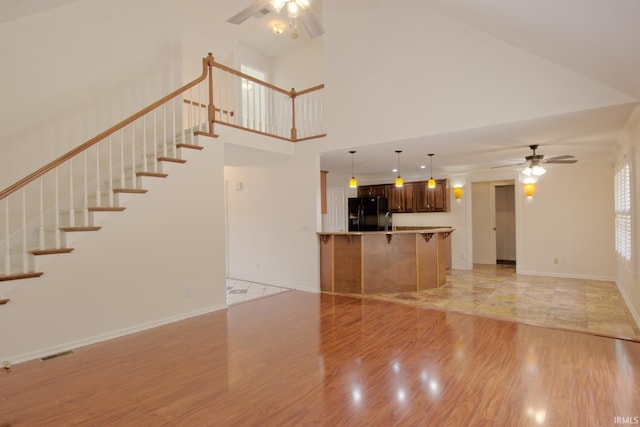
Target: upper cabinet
{"points": [[432, 199], [400, 199], [412, 197], [372, 190]]}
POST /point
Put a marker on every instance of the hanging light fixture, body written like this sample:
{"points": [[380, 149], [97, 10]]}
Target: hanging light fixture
{"points": [[399, 180], [353, 182], [529, 189], [432, 182]]}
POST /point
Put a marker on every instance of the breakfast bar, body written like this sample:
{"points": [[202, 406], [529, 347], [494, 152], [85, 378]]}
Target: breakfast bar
{"points": [[383, 261]]}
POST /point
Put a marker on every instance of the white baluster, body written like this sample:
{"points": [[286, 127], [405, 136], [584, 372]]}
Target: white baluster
{"points": [[56, 208], [173, 127], [72, 212], [7, 238], [144, 143], [155, 142], [98, 193], [123, 181], [189, 114], [134, 162], [25, 252], [41, 215], [199, 106], [110, 165], [164, 130], [85, 205]]}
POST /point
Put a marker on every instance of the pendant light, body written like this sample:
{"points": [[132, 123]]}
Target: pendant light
{"points": [[432, 182], [353, 182], [399, 180]]}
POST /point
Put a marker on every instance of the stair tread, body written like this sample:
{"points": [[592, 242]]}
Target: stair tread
{"points": [[51, 251], [171, 159], [20, 276], [153, 174], [106, 209], [190, 146], [83, 228], [130, 190]]}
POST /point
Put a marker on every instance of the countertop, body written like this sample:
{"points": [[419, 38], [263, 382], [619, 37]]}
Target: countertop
{"points": [[422, 230]]}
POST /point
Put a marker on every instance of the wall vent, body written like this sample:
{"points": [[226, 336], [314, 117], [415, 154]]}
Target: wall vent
{"points": [[53, 356]]}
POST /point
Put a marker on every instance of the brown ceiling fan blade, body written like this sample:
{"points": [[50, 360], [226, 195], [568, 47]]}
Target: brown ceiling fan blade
{"points": [[563, 157], [562, 162], [311, 23], [249, 11]]}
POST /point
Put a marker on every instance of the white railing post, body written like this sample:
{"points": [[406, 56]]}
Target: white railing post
{"points": [[144, 143], [41, 242], [98, 193], [25, 253], [7, 238], [123, 182], [155, 142], [56, 208], [134, 163], [110, 165], [85, 204], [72, 211]]}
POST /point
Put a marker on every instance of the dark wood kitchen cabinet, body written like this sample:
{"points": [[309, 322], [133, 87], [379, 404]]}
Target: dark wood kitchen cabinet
{"points": [[401, 199], [372, 190], [432, 199]]}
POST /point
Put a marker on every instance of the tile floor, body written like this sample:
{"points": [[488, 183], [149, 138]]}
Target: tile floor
{"points": [[240, 290], [498, 292]]}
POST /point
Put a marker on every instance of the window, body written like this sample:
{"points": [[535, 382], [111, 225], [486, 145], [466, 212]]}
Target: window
{"points": [[622, 200]]}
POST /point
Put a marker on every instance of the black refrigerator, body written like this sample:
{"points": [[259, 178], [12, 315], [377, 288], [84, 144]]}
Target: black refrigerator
{"points": [[367, 213]]}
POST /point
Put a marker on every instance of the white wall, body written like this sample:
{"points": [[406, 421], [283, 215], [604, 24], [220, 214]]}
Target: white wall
{"points": [[71, 72], [627, 279], [160, 260], [273, 211], [400, 70], [570, 218]]}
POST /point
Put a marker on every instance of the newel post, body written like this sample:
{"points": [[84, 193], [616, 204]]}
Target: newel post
{"points": [[211, 109], [294, 132]]}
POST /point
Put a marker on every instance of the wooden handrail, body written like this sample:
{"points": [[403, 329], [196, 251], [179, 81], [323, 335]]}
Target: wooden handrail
{"points": [[253, 79], [311, 89], [206, 62]]}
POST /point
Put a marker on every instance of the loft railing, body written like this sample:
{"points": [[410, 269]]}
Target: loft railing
{"points": [[39, 210]]}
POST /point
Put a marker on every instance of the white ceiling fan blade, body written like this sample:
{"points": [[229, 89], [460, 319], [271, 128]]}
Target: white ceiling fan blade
{"points": [[249, 11], [311, 23]]}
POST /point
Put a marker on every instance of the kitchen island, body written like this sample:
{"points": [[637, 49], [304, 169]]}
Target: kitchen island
{"points": [[383, 261]]}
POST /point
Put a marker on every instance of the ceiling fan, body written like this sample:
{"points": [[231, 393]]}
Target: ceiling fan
{"points": [[534, 162], [296, 9]]}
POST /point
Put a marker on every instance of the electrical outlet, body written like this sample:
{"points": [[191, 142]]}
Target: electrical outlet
{"points": [[187, 292]]}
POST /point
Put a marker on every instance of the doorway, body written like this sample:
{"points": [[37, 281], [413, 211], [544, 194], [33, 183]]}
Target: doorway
{"points": [[493, 222]]}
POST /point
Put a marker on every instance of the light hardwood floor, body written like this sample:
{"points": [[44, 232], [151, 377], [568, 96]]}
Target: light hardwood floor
{"points": [[299, 359]]}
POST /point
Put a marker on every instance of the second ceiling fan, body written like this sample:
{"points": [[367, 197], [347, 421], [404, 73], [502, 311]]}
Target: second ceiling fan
{"points": [[534, 162]]}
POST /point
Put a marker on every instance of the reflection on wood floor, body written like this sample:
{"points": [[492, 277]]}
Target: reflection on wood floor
{"points": [[299, 359], [497, 291]]}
